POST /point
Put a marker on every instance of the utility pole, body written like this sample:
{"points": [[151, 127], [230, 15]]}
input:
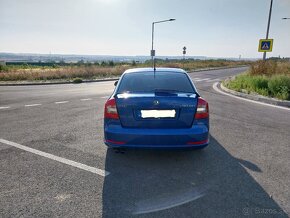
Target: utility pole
{"points": [[268, 27]]}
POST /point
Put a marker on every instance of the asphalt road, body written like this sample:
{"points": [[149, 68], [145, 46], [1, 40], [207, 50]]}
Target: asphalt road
{"points": [[244, 172]]}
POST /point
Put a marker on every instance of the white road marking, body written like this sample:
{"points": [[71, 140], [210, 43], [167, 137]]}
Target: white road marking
{"points": [[61, 102], [86, 99], [56, 158], [199, 80], [245, 99], [195, 78], [217, 79], [212, 80], [1, 108], [105, 97], [32, 105]]}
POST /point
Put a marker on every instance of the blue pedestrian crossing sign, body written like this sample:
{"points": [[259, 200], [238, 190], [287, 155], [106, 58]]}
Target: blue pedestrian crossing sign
{"points": [[265, 45]]}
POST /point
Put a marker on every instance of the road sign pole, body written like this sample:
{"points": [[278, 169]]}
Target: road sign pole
{"points": [[183, 60], [268, 27], [184, 52]]}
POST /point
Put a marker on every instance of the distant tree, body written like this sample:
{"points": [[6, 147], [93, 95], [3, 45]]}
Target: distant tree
{"points": [[62, 63], [80, 62], [133, 63], [103, 63], [148, 61], [111, 63]]}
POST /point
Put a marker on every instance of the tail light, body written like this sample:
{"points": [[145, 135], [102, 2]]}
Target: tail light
{"points": [[111, 109], [202, 109]]}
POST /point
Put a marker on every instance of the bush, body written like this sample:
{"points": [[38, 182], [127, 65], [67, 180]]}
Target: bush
{"points": [[279, 86], [269, 68], [111, 63], [264, 92], [259, 82], [77, 80], [250, 83], [3, 68], [258, 68]]}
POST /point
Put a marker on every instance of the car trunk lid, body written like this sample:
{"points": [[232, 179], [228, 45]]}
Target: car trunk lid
{"points": [[162, 109]]}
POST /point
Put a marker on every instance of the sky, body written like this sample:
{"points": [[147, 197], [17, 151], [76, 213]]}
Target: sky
{"points": [[212, 28]]}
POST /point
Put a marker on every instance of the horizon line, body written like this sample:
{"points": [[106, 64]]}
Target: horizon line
{"points": [[111, 55]]}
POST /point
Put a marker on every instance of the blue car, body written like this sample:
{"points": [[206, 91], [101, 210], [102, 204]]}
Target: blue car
{"points": [[158, 108]]}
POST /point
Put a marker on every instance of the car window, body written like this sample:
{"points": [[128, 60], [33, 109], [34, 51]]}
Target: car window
{"points": [[148, 82]]}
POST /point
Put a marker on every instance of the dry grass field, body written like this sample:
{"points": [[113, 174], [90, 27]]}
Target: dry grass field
{"points": [[94, 71]]}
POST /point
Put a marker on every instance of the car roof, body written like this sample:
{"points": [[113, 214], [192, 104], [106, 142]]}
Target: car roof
{"points": [[157, 69]]}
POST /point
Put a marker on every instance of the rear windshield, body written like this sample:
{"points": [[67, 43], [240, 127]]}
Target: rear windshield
{"points": [[147, 82]]}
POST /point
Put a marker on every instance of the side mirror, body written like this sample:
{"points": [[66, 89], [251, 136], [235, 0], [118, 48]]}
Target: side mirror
{"points": [[115, 83]]}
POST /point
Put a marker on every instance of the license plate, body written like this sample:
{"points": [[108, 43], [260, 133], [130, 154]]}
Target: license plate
{"points": [[158, 113]]}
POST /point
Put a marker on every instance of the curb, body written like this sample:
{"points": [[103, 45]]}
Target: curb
{"points": [[101, 80], [259, 98]]}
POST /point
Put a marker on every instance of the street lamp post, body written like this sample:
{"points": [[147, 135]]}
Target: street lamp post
{"points": [[268, 27], [152, 48]]}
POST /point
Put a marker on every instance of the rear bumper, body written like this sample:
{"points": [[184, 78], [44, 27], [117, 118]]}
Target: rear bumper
{"points": [[169, 147], [118, 137]]}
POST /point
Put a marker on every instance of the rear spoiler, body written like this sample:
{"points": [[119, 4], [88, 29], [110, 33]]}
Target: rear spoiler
{"points": [[136, 95]]}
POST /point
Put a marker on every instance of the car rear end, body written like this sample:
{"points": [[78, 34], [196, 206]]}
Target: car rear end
{"points": [[160, 109]]}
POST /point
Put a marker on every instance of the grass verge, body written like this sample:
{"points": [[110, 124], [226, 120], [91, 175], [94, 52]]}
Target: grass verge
{"points": [[271, 79]]}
